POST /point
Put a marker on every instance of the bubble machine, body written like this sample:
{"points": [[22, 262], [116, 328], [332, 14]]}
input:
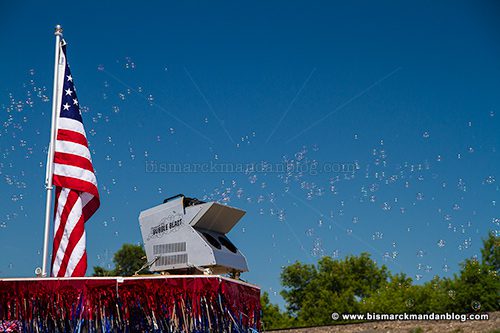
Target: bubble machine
{"points": [[184, 235]]}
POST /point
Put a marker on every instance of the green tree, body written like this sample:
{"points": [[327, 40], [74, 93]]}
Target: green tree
{"points": [[272, 316], [314, 292], [100, 271], [392, 297], [357, 284], [490, 252], [128, 259], [477, 287]]}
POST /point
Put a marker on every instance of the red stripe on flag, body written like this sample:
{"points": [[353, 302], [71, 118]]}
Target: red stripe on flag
{"points": [[72, 136], [70, 202], [73, 160], [81, 267], [74, 238], [90, 208], [76, 184]]}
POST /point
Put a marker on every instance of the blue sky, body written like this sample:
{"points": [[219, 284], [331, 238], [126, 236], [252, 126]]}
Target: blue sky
{"points": [[407, 93]]}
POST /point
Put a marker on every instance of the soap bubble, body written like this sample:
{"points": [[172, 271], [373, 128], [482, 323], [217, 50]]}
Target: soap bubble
{"points": [[409, 303], [489, 180]]}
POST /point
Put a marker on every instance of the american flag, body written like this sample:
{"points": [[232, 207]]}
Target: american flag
{"points": [[77, 197]]}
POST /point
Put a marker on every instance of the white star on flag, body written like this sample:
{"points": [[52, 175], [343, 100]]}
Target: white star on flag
{"points": [[68, 91]]}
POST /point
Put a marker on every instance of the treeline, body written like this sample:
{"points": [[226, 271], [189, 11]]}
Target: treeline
{"points": [[357, 284]]}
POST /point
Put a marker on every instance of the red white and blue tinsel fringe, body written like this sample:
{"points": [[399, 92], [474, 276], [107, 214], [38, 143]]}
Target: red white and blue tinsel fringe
{"points": [[154, 304]]}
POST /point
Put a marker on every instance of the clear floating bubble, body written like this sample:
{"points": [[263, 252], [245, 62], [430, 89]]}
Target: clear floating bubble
{"points": [[490, 180], [475, 305], [100, 68], [426, 135], [441, 243], [317, 249], [492, 113], [461, 185], [281, 216], [252, 179], [409, 303]]}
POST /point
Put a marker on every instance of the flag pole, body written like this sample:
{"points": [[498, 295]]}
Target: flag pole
{"points": [[50, 156]]}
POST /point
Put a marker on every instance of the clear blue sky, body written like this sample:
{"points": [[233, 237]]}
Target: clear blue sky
{"points": [[406, 91]]}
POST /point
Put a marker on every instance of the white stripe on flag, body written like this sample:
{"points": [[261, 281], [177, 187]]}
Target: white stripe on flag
{"points": [[73, 217], [69, 147], [75, 172], [61, 202], [76, 255], [71, 125]]}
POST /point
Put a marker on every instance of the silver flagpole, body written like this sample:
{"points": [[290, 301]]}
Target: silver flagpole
{"points": [[50, 158]]}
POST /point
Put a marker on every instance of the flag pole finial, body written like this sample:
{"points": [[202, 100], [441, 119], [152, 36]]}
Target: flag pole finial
{"points": [[58, 30]]}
